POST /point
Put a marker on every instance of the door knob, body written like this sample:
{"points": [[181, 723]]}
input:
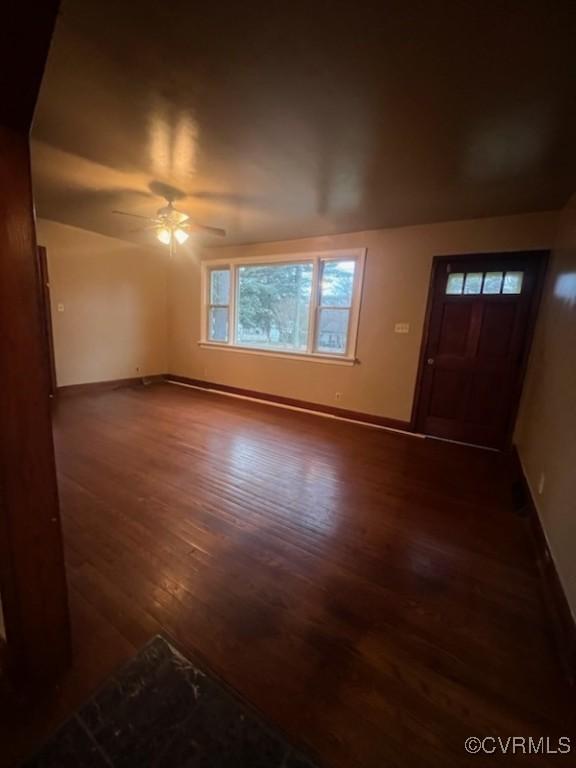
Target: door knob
{"points": [[430, 361]]}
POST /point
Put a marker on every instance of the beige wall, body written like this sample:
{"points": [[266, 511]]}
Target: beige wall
{"points": [[395, 290], [546, 430], [122, 318], [114, 296]]}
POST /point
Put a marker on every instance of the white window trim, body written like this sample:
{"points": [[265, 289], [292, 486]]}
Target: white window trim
{"points": [[317, 257]]}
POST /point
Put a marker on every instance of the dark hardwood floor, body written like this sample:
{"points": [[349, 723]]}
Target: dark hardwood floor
{"points": [[371, 593]]}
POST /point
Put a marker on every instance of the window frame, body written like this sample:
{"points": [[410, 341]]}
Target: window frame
{"points": [[210, 306], [317, 258]]}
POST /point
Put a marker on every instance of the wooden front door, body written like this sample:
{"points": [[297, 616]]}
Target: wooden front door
{"points": [[480, 319]]}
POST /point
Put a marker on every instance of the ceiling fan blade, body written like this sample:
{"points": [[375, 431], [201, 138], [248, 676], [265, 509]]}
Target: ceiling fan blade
{"points": [[203, 228], [149, 228], [134, 215]]}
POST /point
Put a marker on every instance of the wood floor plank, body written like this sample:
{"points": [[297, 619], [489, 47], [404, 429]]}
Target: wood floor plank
{"points": [[373, 594]]}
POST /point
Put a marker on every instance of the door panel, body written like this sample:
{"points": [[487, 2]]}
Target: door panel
{"points": [[496, 330], [447, 399], [479, 327], [454, 328], [482, 406]]}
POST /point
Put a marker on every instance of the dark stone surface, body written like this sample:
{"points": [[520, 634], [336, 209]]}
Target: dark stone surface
{"points": [[73, 746], [160, 710]]}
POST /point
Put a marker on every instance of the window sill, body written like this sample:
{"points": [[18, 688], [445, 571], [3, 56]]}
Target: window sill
{"points": [[310, 357]]}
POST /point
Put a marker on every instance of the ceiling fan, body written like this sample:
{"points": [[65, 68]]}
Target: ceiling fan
{"points": [[171, 225]]}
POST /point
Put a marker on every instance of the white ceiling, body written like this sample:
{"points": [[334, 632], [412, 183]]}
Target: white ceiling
{"points": [[280, 120]]}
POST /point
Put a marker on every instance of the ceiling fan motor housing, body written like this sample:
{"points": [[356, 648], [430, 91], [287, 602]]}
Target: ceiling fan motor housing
{"points": [[170, 215]]}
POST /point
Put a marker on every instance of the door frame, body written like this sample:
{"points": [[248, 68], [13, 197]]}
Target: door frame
{"points": [[44, 278], [540, 259], [32, 568]]}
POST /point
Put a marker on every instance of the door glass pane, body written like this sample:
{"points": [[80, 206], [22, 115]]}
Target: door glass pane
{"points": [[332, 330], [274, 306], [473, 282], [455, 283], [220, 286], [337, 283], [513, 282], [218, 324], [492, 282]]}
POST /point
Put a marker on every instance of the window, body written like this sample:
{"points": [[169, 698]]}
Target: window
{"points": [[466, 283], [492, 282], [305, 305], [512, 282], [274, 306], [335, 305], [473, 282], [218, 314], [455, 283]]}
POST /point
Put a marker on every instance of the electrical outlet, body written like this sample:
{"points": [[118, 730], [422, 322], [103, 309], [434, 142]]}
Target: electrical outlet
{"points": [[541, 483], [60, 307], [338, 396], [402, 328]]}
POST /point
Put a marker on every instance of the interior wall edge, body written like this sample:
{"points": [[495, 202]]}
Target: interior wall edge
{"points": [[563, 617], [545, 431]]}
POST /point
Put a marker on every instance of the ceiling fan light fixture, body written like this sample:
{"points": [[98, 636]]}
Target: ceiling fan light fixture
{"points": [[180, 235], [164, 235], [171, 226]]}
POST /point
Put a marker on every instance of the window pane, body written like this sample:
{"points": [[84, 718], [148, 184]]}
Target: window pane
{"points": [[220, 286], [492, 282], [473, 282], [337, 283], [513, 282], [218, 324], [274, 305], [332, 330], [455, 283]]}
